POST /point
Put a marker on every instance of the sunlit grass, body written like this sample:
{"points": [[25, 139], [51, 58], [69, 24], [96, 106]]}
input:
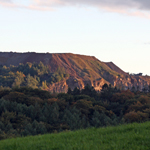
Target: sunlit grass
{"points": [[125, 137]]}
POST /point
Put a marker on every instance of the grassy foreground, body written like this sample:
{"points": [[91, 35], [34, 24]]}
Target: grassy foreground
{"points": [[125, 137]]}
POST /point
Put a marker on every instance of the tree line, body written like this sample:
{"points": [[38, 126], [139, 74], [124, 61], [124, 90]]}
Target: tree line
{"points": [[30, 111]]}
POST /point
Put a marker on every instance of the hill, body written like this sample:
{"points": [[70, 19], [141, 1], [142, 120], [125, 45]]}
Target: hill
{"points": [[112, 66], [127, 137], [82, 70]]}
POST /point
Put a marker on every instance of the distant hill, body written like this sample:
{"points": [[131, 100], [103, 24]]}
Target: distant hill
{"points": [[82, 70]]}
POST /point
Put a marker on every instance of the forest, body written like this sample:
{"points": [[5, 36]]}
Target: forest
{"points": [[27, 108], [34, 75], [31, 111]]}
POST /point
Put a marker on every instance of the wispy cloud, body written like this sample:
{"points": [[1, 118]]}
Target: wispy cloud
{"points": [[139, 8], [7, 3], [147, 43], [139, 4], [33, 5]]}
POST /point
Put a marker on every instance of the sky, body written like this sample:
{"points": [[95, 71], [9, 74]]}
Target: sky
{"points": [[110, 30]]}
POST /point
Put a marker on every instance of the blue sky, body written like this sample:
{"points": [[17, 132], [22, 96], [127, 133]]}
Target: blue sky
{"points": [[111, 30]]}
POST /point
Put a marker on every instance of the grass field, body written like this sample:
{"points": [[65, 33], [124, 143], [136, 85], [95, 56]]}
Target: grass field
{"points": [[125, 137]]}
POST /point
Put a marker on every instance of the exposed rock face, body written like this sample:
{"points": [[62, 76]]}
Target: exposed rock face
{"points": [[132, 81], [72, 82], [58, 87], [82, 70]]}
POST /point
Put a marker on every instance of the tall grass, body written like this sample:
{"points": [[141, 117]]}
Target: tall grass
{"points": [[125, 137]]}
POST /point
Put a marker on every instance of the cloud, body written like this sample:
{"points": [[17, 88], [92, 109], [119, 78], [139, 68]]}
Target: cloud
{"points": [[35, 7], [6, 3], [147, 43], [139, 8], [138, 4], [31, 6]]}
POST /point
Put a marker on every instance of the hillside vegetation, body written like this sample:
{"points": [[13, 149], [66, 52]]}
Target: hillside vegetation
{"points": [[45, 69], [35, 75], [125, 137], [58, 72]]}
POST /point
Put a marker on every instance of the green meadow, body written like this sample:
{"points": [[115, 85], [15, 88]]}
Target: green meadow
{"points": [[134, 136]]}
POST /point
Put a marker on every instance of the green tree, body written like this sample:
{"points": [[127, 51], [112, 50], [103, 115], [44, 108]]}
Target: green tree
{"points": [[17, 82], [76, 91], [32, 81], [44, 85], [54, 115], [100, 119], [69, 91], [72, 118]]}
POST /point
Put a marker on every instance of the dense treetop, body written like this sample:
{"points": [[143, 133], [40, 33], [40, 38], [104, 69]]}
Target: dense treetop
{"points": [[30, 111], [35, 75]]}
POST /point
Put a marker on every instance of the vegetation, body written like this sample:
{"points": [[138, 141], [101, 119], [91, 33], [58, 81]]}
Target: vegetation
{"points": [[124, 137], [35, 75], [27, 111]]}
